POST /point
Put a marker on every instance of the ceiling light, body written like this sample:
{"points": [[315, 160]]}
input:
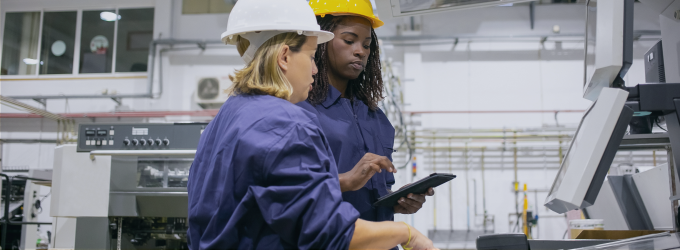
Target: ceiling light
{"points": [[108, 16], [30, 61]]}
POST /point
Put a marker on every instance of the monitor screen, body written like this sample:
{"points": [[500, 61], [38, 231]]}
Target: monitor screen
{"points": [[608, 45], [591, 152]]}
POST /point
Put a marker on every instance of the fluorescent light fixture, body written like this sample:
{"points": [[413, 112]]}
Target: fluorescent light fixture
{"points": [[108, 16], [30, 61]]}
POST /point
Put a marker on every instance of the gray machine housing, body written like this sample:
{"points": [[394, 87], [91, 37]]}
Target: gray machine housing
{"points": [[172, 136], [133, 196]]}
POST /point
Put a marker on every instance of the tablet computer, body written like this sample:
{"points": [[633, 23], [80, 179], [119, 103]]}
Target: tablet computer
{"points": [[418, 187]]}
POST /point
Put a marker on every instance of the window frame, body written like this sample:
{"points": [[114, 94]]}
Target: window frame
{"points": [[75, 74]]}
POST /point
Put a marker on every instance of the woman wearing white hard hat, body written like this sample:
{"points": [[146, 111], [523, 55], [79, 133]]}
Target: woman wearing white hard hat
{"points": [[264, 176]]}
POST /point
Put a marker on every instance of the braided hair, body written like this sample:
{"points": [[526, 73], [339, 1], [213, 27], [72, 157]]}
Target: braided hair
{"points": [[368, 87]]}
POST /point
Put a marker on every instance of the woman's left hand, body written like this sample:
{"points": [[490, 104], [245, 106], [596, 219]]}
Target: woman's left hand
{"points": [[412, 202]]}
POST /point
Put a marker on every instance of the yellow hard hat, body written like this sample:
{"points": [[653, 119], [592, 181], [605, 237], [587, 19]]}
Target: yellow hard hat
{"points": [[346, 7]]}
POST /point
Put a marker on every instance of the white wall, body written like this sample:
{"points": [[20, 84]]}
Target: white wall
{"points": [[501, 74]]}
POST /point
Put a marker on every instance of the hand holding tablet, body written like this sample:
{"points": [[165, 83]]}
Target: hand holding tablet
{"points": [[418, 187]]}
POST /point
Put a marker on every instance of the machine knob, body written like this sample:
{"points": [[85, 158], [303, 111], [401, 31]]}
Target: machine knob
{"points": [[151, 142], [159, 142], [126, 142], [143, 142], [166, 142], [135, 142]]}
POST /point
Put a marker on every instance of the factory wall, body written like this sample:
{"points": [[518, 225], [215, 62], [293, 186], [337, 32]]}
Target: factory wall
{"points": [[488, 71]]}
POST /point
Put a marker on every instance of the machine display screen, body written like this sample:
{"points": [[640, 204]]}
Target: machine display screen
{"points": [[575, 144], [608, 45], [591, 152]]}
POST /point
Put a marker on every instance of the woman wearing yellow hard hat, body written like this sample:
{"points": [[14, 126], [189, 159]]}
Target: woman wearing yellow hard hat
{"points": [[345, 97]]}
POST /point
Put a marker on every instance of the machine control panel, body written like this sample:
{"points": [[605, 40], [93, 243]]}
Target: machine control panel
{"points": [[142, 136]]}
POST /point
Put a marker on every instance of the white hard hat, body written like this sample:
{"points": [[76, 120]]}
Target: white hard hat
{"points": [[260, 20]]}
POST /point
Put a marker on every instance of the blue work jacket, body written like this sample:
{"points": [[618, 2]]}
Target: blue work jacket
{"points": [[353, 130], [264, 178]]}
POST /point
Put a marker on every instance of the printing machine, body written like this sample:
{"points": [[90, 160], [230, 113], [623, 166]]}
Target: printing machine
{"points": [[124, 186]]}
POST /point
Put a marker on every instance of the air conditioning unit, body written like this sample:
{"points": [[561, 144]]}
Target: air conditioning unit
{"points": [[211, 92]]}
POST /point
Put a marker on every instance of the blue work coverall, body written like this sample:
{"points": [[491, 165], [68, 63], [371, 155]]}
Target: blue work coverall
{"points": [[353, 130], [264, 177]]}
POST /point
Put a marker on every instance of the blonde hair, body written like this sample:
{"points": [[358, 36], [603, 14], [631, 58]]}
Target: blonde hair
{"points": [[263, 76]]}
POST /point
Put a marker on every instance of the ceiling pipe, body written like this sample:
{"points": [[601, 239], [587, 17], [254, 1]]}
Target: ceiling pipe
{"points": [[490, 111], [25, 107]]}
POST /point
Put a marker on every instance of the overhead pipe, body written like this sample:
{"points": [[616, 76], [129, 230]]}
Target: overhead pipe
{"points": [[140, 114], [557, 163], [25, 107], [25, 141], [490, 111], [66, 123]]}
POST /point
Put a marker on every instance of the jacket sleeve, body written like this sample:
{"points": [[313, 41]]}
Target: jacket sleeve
{"points": [[300, 197]]}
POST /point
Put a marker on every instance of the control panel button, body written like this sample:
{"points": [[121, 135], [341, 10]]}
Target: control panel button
{"points": [[111, 132], [87, 142], [135, 142], [125, 142], [151, 142], [99, 142], [159, 142], [166, 142], [104, 142], [142, 141], [111, 142]]}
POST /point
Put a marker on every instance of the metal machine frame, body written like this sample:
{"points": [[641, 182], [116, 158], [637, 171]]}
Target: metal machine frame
{"points": [[135, 194], [6, 202], [663, 99]]}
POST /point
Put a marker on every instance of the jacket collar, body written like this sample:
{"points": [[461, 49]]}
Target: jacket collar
{"points": [[332, 97]]}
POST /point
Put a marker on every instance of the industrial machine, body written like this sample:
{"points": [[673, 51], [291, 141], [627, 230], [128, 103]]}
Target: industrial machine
{"points": [[632, 201], [21, 205], [124, 186], [12, 209], [608, 56]]}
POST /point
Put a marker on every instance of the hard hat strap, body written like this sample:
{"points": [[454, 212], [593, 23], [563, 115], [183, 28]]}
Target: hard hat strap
{"points": [[256, 40]]}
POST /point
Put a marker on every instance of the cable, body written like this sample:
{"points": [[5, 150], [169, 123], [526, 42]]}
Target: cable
{"points": [[390, 100], [47, 195], [657, 124]]}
